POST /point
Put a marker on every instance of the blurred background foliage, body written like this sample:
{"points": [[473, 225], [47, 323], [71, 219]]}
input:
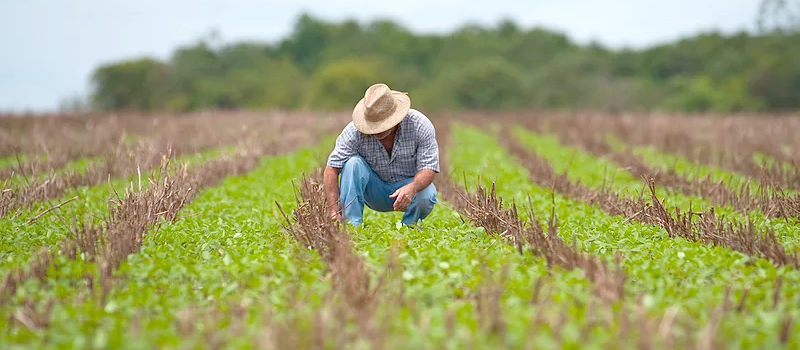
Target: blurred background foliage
{"points": [[327, 66]]}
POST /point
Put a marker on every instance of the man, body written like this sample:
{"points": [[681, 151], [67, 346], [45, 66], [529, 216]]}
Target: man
{"points": [[387, 157]]}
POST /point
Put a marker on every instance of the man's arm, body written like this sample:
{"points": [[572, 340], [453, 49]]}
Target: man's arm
{"points": [[331, 181], [423, 179], [427, 147], [346, 147], [404, 195], [427, 166]]}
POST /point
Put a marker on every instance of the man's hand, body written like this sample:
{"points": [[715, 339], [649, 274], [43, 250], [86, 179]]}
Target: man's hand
{"points": [[334, 215], [403, 196], [331, 180]]}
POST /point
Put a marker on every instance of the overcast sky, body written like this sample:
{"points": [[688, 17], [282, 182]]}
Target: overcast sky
{"points": [[49, 48]]}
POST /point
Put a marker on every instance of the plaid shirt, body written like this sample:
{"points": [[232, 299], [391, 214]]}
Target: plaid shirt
{"points": [[415, 148]]}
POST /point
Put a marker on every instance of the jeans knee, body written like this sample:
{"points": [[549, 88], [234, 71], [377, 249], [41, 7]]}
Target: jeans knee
{"points": [[355, 161], [427, 197], [355, 166]]}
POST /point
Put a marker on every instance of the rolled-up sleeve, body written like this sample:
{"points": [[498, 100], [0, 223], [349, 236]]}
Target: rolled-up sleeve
{"points": [[346, 147], [427, 146]]}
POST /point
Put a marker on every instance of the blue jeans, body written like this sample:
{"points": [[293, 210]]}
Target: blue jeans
{"points": [[360, 185]]}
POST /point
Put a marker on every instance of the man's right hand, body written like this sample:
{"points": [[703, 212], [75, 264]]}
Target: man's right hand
{"points": [[331, 181], [334, 215]]}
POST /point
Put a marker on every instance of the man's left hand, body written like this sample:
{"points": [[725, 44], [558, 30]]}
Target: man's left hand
{"points": [[403, 196]]}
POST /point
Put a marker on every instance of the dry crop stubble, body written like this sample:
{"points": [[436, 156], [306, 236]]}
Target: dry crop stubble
{"points": [[665, 326], [730, 142], [71, 138], [61, 137], [185, 134], [695, 274], [49, 143], [707, 228], [199, 261], [486, 210], [542, 173], [772, 202], [631, 325], [353, 300], [140, 212], [629, 321], [312, 227]]}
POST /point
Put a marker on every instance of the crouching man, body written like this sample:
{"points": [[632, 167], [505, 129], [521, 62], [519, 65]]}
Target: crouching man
{"points": [[387, 157]]}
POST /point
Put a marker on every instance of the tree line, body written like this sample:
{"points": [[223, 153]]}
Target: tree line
{"points": [[327, 65]]}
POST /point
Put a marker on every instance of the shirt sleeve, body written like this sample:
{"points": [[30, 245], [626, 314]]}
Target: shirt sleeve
{"points": [[427, 146], [346, 147]]}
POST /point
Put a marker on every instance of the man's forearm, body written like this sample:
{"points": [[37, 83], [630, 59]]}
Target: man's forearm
{"points": [[331, 181], [423, 178]]}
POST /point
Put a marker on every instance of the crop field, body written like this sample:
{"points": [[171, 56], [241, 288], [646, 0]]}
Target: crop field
{"points": [[578, 231]]}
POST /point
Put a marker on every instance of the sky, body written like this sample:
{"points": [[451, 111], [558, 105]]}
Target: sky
{"points": [[48, 49]]}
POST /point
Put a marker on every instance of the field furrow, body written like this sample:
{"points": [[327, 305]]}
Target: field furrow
{"points": [[207, 172], [716, 225], [484, 318], [80, 201], [70, 139], [727, 143], [100, 251], [48, 222], [769, 208], [484, 209], [708, 229], [125, 163], [132, 216], [673, 266], [745, 194], [549, 232], [718, 187], [118, 161]]}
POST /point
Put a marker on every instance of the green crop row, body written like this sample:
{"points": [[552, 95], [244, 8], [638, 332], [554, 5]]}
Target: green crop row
{"points": [[23, 238], [13, 161], [671, 272], [597, 172], [226, 246], [77, 166], [228, 249]]}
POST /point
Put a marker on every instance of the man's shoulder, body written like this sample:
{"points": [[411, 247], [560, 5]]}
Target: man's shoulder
{"points": [[415, 115], [350, 130], [349, 136], [419, 120]]}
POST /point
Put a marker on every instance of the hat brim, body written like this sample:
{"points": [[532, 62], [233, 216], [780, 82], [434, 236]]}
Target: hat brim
{"points": [[403, 105]]}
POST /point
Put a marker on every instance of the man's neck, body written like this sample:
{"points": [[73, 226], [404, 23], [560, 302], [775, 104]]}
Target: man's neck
{"points": [[388, 142]]}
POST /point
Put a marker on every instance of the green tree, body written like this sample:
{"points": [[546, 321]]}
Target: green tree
{"points": [[777, 82], [569, 79], [307, 42], [275, 83], [487, 84], [702, 94], [340, 84], [328, 65], [137, 84]]}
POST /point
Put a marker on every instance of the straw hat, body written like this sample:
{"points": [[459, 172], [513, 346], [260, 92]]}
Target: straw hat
{"points": [[380, 109]]}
